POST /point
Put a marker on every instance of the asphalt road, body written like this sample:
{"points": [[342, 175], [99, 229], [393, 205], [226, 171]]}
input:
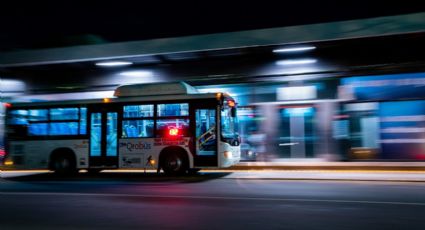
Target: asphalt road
{"points": [[206, 201]]}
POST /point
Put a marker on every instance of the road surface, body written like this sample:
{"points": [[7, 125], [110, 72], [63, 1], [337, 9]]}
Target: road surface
{"points": [[210, 200]]}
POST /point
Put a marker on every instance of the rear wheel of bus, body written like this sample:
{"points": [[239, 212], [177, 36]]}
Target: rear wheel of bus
{"points": [[174, 163]]}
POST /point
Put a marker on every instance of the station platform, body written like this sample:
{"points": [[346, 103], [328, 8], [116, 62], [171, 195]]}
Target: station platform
{"points": [[330, 171], [325, 165], [288, 170]]}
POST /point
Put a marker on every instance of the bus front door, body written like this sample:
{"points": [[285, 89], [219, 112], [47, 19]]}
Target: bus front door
{"points": [[103, 139], [206, 137]]}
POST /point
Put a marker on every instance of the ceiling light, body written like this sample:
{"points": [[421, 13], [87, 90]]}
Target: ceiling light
{"points": [[294, 49], [113, 63], [138, 73], [296, 62]]}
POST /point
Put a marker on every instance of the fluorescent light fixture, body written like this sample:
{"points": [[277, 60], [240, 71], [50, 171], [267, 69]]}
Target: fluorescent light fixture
{"points": [[113, 63], [136, 73], [216, 90], [7, 85], [296, 93], [296, 62], [294, 49], [302, 111]]}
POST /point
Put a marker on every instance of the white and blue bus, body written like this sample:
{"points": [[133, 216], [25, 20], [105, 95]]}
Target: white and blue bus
{"points": [[166, 126]]}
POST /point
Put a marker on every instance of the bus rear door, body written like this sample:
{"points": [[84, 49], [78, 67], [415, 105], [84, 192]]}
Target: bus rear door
{"points": [[103, 131]]}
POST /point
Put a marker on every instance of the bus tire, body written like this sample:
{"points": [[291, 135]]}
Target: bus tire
{"points": [[174, 163], [63, 163]]}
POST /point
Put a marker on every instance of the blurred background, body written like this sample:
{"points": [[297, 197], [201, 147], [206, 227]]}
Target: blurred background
{"points": [[317, 86]]}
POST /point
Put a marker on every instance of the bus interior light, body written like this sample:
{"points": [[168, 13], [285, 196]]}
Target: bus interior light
{"points": [[291, 62], [294, 49]]}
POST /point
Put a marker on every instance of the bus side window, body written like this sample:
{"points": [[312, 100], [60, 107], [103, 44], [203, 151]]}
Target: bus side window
{"points": [[131, 131], [137, 128]]}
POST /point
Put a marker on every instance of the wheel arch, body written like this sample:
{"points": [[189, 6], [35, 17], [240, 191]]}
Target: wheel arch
{"points": [[63, 151]]}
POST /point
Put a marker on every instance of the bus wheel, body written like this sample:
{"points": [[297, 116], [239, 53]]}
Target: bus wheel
{"points": [[174, 164], [64, 165]]}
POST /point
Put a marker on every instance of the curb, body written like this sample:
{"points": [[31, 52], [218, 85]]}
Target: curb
{"points": [[333, 179], [330, 167]]}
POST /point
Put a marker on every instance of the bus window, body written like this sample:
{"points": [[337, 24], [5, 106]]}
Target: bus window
{"points": [[132, 111], [83, 120], [206, 132], [63, 128], [38, 129], [18, 117], [64, 114], [38, 115], [137, 128], [165, 110], [136, 122], [229, 124], [111, 134], [96, 134]]}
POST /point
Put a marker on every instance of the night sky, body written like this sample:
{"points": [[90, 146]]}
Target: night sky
{"points": [[43, 24]]}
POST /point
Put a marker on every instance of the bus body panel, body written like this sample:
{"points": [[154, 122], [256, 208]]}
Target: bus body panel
{"points": [[36, 154], [143, 153], [233, 157]]}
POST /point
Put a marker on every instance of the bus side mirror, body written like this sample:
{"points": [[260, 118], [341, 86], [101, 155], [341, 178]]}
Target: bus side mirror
{"points": [[233, 112]]}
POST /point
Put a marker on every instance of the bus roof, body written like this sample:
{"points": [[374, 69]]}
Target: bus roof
{"points": [[173, 88], [164, 98], [151, 92]]}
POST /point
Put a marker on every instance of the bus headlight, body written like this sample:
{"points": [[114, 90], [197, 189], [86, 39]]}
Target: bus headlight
{"points": [[228, 154]]}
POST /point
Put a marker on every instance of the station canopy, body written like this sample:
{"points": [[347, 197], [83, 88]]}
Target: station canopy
{"points": [[178, 47]]}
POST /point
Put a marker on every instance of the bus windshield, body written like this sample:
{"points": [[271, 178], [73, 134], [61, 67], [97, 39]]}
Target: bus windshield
{"points": [[229, 123]]}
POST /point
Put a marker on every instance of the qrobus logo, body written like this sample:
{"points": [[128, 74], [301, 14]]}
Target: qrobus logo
{"points": [[135, 146]]}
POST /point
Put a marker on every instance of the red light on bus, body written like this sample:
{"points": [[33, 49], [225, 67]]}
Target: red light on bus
{"points": [[7, 105], [231, 103], [173, 131]]}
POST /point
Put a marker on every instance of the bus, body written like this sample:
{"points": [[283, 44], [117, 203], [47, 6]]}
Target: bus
{"points": [[160, 126]]}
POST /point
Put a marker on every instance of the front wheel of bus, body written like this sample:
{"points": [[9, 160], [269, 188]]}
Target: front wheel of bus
{"points": [[64, 165], [174, 164]]}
